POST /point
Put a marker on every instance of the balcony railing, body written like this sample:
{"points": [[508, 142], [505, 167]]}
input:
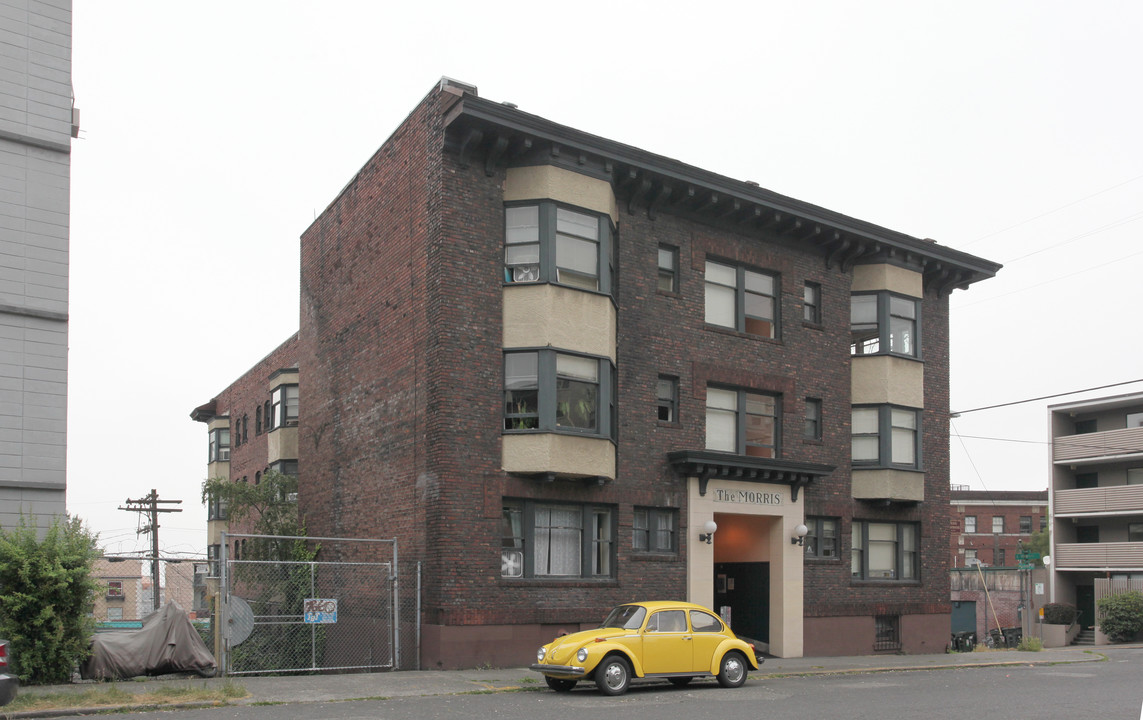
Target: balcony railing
{"points": [[1099, 556], [1111, 443], [1124, 498]]}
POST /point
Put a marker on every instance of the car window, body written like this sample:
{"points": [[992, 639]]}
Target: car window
{"points": [[705, 622], [628, 617], [667, 621]]}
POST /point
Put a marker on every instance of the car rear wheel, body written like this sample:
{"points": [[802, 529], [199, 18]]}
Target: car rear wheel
{"points": [[732, 670], [613, 676], [680, 681], [559, 684]]}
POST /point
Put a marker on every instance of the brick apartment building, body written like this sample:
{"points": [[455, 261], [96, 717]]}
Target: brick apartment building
{"points": [[565, 373], [988, 527]]}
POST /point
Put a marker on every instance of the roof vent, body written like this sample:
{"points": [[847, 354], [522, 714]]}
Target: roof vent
{"points": [[751, 183], [512, 105]]}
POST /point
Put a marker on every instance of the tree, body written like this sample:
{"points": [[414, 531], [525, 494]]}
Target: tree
{"points": [[47, 597], [272, 507], [1041, 542], [273, 588], [1121, 616]]}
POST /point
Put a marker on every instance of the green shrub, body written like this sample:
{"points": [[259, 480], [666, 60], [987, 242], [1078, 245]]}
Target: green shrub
{"points": [[46, 602], [1030, 644], [1121, 616], [1059, 614]]}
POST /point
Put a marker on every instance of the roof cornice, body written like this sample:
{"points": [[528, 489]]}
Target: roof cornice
{"points": [[499, 135]]}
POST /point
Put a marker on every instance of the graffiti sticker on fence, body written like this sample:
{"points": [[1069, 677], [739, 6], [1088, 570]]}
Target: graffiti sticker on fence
{"points": [[321, 610]]}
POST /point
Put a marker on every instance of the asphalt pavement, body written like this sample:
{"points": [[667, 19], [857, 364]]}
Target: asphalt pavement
{"points": [[404, 683]]}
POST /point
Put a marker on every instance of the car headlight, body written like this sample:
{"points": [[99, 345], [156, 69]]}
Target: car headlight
{"points": [[581, 655], [540, 654]]}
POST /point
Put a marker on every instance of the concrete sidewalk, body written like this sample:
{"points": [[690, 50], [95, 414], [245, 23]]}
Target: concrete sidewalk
{"points": [[326, 688]]}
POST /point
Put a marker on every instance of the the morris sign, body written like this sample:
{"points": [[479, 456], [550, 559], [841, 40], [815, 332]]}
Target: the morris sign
{"points": [[747, 497]]}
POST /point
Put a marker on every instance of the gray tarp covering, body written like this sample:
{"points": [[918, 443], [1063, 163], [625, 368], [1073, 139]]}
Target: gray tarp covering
{"points": [[167, 643]]}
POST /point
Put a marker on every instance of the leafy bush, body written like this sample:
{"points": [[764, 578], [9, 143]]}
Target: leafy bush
{"points": [[1121, 615], [1059, 613], [46, 602]]}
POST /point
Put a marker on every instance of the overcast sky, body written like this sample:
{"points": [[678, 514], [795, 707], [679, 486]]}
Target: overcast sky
{"points": [[214, 132]]}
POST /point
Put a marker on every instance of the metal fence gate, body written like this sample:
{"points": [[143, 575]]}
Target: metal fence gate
{"points": [[339, 614]]}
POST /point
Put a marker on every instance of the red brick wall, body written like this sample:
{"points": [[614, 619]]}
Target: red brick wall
{"points": [[400, 348]]}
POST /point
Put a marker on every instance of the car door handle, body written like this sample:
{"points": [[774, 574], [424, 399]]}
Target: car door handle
{"points": [[688, 637]]}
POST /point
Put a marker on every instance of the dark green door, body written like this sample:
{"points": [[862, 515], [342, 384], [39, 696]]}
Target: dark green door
{"points": [[1085, 603], [964, 616], [745, 589]]}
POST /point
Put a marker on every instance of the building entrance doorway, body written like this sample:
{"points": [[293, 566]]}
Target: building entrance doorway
{"points": [[1085, 603], [744, 587]]}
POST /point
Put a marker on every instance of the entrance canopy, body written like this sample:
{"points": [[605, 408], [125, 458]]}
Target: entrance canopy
{"points": [[707, 464]]}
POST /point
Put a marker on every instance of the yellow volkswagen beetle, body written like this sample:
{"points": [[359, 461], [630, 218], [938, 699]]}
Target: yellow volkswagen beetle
{"points": [[676, 641]]}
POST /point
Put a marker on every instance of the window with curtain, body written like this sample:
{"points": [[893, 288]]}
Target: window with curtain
{"points": [[557, 540]]}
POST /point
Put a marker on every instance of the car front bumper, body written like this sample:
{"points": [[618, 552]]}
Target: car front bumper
{"points": [[569, 670]]}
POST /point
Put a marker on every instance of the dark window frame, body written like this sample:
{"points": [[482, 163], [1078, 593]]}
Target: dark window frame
{"points": [[884, 435], [907, 565], [814, 545], [284, 406], [546, 268], [877, 337], [812, 428], [518, 415], [743, 396], [218, 445], [812, 303], [667, 403], [519, 535], [669, 272], [647, 533], [745, 322]]}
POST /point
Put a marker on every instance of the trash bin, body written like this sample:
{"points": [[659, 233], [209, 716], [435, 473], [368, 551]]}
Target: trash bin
{"points": [[1013, 635], [997, 638], [969, 642]]}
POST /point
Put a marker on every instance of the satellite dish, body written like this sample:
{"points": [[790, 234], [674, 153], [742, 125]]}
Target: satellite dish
{"points": [[241, 620]]}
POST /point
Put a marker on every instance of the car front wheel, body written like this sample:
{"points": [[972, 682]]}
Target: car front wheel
{"points": [[613, 676], [559, 684], [732, 670]]}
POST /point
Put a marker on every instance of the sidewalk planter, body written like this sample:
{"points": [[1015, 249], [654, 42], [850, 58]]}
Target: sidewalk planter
{"points": [[1056, 636]]}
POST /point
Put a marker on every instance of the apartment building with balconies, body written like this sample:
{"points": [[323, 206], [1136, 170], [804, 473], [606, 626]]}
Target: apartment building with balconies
{"points": [[1096, 497]]}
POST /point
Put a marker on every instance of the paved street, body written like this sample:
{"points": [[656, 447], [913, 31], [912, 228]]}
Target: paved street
{"points": [[1110, 688]]}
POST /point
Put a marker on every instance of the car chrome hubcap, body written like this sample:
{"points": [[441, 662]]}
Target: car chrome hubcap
{"points": [[616, 676], [734, 669]]}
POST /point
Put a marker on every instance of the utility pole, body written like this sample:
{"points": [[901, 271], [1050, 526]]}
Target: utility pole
{"points": [[150, 505]]}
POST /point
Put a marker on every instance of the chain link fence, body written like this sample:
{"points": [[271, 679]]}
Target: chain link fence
{"points": [[353, 608]]}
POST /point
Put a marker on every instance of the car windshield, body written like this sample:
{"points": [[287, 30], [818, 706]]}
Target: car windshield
{"points": [[628, 617]]}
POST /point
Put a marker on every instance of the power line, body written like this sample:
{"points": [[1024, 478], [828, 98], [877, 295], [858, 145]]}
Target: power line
{"points": [[1050, 212], [1044, 397]]}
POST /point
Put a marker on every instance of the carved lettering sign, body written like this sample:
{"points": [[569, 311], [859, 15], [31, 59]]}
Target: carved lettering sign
{"points": [[747, 497]]}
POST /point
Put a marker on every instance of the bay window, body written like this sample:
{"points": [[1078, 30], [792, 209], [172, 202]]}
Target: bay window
{"points": [[557, 540], [219, 445], [885, 436], [884, 323], [742, 422], [546, 242], [283, 407], [550, 390]]}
